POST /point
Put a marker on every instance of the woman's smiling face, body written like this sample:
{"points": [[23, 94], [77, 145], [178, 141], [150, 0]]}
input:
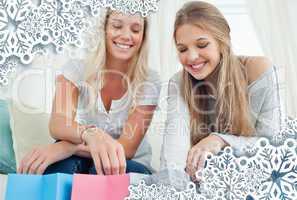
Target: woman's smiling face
{"points": [[124, 35], [198, 51]]}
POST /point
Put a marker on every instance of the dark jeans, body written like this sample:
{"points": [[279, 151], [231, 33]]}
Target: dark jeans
{"points": [[80, 165]]}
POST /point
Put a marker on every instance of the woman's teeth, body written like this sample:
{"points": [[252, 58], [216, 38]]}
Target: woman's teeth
{"points": [[123, 46], [198, 66]]}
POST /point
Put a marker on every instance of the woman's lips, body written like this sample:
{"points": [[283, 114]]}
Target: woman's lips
{"points": [[123, 46], [197, 67]]}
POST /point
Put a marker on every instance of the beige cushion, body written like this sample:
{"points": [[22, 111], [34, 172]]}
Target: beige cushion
{"points": [[30, 106], [3, 181]]}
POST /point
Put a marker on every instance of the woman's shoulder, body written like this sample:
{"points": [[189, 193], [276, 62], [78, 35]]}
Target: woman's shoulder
{"points": [[72, 72], [256, 66], [177, 77]]}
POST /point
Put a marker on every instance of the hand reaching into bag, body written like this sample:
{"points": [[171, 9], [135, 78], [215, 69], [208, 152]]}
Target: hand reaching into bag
{"points": [[107, 153], [197, 154]]}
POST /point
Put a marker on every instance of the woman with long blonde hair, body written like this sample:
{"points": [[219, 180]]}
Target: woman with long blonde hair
{"points": [[103, 106], [218, 99]]}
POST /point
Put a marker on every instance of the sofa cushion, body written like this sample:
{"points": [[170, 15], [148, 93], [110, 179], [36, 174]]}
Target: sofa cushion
{"points": [[30, 110], [7, 159]]}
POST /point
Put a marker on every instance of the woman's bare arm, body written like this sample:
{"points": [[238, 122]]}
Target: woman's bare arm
{"points": [[135, 128], [62, 125]]}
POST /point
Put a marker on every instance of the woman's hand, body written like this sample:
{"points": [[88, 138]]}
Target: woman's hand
{"points": [[197, 154], [40, 158], [107, 153]]}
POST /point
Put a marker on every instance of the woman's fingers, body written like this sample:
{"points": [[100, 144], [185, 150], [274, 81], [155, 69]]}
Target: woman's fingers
{"points": [[97, 162], [42, 167], [34, 166], [190, 158], [23, 161], [110, 153], [194, 163], [195, 160], [122, 159], [201, 161], [114, 161], [200, 165], [28, 160], [106, 165]]}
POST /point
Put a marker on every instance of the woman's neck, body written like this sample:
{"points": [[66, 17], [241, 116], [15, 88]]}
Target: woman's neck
{"points": [[116, 70], [117, 65]]}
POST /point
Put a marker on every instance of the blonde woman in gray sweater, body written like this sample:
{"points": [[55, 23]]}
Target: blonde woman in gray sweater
{"points": [[218, 99]]}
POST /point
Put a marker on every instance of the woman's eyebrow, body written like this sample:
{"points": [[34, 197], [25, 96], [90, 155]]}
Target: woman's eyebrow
{"points": [[179, 44], [118, 20], [201, 38]]}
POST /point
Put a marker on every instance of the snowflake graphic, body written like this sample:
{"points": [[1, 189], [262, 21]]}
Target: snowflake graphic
{"points": [[5, 69], [14, 40], [224, 179], [290, 131], [162, 192], [269, 174], [144, 7], [281, 168], [26, 29], [63, 21]]}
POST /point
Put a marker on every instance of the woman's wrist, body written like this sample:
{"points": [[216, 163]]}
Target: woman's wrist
{"points": [[68, 147], [90, 133], [82, 130], [219, 140]]}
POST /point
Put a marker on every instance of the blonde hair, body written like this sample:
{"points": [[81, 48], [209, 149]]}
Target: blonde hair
{"points": [[96, 62], [232, 104]]}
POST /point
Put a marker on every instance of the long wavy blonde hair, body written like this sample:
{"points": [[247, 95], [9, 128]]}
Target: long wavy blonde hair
{"points": [[95, 63], [232, 104]]}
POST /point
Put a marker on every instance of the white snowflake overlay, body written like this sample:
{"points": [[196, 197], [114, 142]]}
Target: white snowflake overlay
{"points": [[270, 174], [162, 192], [27, 29], [5, 69]]}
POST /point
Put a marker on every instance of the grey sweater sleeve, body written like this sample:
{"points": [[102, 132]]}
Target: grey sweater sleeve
{"points": [[265, 107], [176, 139]]}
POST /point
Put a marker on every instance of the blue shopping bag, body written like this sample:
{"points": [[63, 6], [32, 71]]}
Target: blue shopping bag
{"points": [[39, 187], [57, 187], [23, 187]]}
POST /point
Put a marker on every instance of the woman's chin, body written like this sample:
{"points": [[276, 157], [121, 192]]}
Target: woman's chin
{"points": [[198, 76], [122, 57]]}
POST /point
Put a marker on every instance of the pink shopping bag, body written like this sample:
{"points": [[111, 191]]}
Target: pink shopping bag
{"points": [[96, 187]]}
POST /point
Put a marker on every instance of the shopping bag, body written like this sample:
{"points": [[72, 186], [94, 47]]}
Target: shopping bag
{"points": [[57, 187], [24, 187], [97, 187], [39, 187]]}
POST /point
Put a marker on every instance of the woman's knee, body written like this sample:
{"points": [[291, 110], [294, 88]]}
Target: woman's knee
{"points": [[135, 167]]}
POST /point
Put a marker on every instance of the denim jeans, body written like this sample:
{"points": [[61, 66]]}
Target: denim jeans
{"points": [[76, 164]]}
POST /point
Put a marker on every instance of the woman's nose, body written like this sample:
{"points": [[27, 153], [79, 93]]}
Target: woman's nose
{"points": [[126, 35], [193, 55]]}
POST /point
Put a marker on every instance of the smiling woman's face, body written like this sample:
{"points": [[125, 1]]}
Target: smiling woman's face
{"points": [[198, 51], [124, 36]]}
